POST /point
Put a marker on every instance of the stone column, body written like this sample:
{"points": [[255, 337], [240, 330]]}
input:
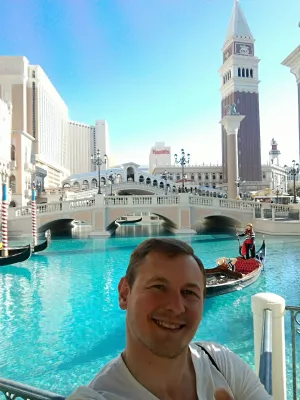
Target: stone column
{"points": [[232, 124], [293, 62]]}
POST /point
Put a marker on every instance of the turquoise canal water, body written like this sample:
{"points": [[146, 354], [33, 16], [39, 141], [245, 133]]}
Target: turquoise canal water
{"points": [[59, 316]]}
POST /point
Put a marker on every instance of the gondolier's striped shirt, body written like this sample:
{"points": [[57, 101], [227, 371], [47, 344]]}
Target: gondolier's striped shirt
{"points": [[248, 235]]}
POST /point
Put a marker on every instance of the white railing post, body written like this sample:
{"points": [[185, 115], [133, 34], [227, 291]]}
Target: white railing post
{"points": [[99, 200], [275, 303]]}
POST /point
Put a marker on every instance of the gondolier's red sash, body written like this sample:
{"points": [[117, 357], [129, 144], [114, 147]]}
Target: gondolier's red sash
{"points": [[244, 249]]}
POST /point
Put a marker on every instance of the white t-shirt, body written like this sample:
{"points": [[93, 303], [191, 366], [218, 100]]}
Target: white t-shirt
{"points": [[115, 382]]}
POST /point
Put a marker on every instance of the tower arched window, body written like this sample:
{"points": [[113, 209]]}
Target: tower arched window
{"points": [[12, 183], [243, 72], [13, 153], [239, 71], [251, 73], [247, 73], [223, 80]]}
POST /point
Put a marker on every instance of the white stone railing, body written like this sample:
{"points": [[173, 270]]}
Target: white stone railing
{"points": [[74, 204], [236, 204], [170, 200], [49, 208], [201, 201]]}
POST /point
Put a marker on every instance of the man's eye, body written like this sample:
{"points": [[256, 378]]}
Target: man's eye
{"points": [[158, 287], [187, 292]]}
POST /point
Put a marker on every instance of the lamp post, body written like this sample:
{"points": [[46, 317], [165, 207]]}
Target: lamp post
{"points": [[97, 160], [111, 178], [165, 176], [183, 161], [277, 193], [239, 183], [294, 171]]}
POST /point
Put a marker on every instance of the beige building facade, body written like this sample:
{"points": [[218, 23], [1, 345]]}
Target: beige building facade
{"points": [[42, 136]]}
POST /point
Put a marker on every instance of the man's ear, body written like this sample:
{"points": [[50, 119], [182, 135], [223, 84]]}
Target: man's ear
{"points": [[124, 291]]}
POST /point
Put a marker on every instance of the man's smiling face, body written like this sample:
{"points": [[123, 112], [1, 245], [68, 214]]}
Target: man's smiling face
{"points": [[165, 303]]}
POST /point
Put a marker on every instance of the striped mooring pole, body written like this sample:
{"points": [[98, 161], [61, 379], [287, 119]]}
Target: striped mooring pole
{"points": [[33, 215], [4, 220]]}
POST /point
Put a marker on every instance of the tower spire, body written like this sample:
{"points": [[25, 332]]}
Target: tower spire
{"points": [[238, 26]]}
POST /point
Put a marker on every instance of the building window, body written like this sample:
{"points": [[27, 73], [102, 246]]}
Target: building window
{"points": [[85, 185], [94, 183], [141, 179], [13, 153], [247, 73], [33, 74], [251, 73], [214, 176], [199, 177], [243, 72], [76, 186], [178, 177], [264, 175], [239, 71], [12, 184], [206, 176], [221, 176], [192, 177]]}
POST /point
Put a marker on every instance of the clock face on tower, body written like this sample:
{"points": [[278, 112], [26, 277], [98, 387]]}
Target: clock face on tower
{"points": [[243, 49]]}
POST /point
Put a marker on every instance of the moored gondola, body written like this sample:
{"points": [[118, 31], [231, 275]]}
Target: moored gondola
{"points": [[128, 221], [16, 257], [236, 274], [35, 249]]}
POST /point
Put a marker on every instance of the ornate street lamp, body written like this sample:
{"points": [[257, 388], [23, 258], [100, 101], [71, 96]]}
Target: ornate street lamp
{"points": [[183, 161], [165, 176], [111, 178], [277, 193], [294, 171], [97, 160], [239, 183]]}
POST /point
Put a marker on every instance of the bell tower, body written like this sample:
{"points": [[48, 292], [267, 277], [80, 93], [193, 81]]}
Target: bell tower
{"points": [[239, 86], [274, 153]]}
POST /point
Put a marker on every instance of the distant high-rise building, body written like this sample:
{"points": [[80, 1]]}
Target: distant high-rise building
{"points": [[80, 148], [160, 154], [39, 120], [100, 140], [239, 85], [83, 141]]}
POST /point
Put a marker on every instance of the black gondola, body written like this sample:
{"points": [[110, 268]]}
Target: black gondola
{"points": [[16, 257], [222, 280], [35, 249], [128, 221]]}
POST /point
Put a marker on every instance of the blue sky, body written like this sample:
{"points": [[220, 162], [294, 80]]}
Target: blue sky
{"points": [[150, 67]]}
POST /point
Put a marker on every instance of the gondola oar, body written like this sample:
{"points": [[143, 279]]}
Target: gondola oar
{"points": [[238, 238]]}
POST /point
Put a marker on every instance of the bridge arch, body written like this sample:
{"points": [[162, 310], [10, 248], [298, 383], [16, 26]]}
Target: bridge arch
{"points": [[225, 220], [116, 214]]}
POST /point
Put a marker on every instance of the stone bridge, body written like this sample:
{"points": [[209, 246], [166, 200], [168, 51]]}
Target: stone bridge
{"points": [[181, 212]]}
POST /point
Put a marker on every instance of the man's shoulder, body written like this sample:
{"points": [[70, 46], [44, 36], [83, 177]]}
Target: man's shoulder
{"points": [[221, 355], [109, 373]]}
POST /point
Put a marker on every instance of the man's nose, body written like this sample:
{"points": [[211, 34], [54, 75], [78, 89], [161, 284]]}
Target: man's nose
{"points": [[175, 303]]}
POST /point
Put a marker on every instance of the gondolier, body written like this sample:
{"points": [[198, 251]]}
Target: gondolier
{"points": [[248, 246]]}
